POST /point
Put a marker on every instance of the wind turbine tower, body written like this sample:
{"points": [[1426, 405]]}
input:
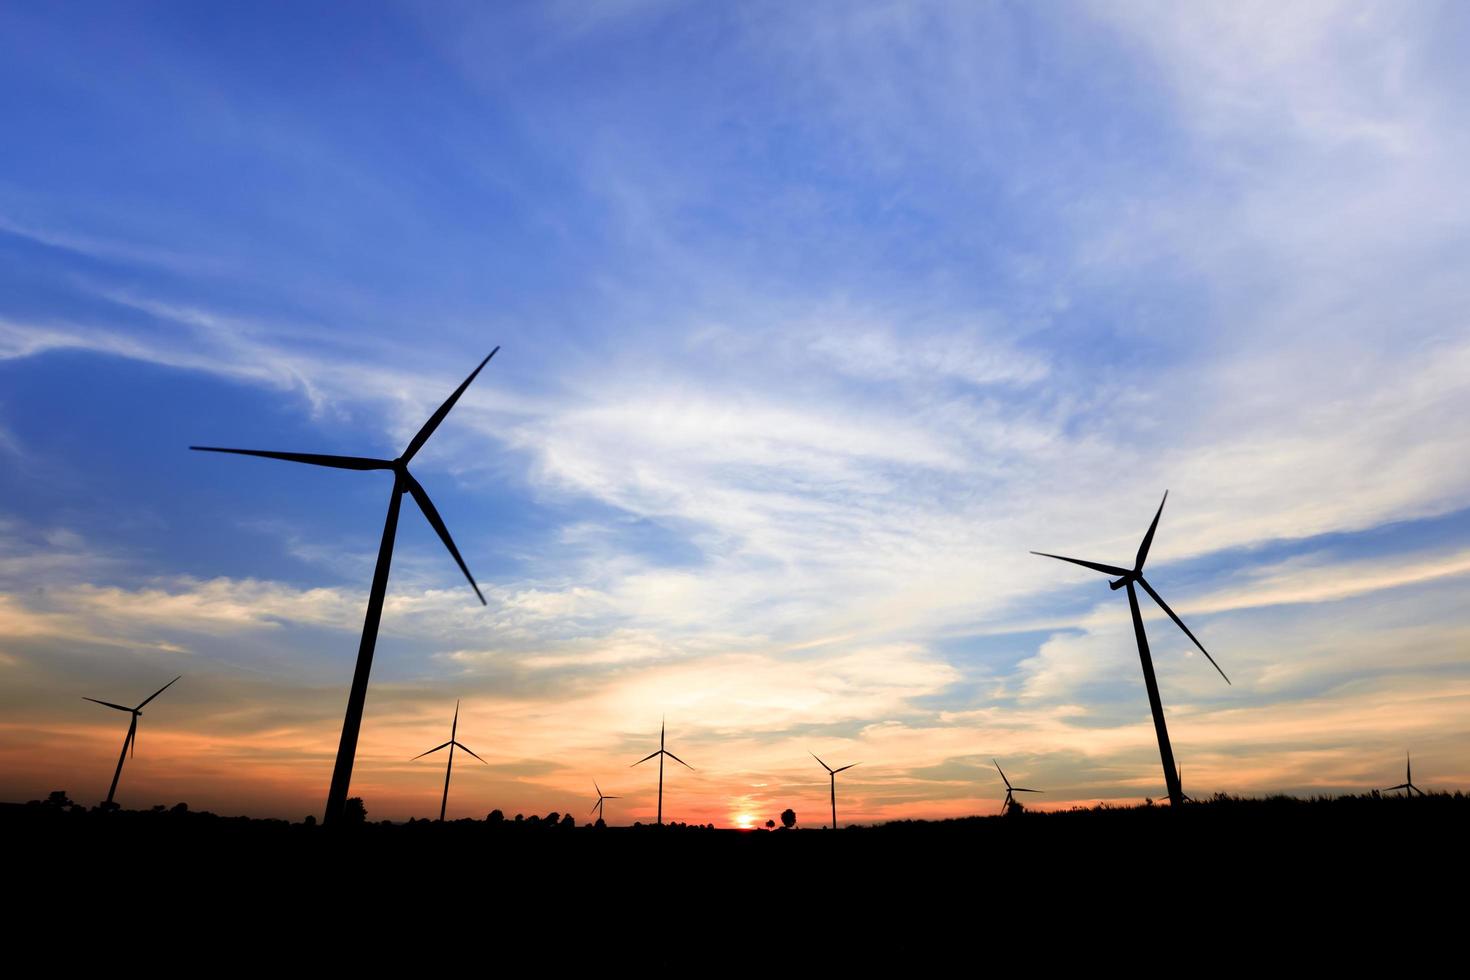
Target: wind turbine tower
{"points": [[403, 482], [451, 745], [1128, 578], [660, 754], [131, 742]]}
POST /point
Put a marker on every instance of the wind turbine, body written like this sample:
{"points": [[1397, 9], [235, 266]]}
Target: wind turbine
{"points": [[1011, 800], [1179, 774], [1407, 785], [661, 753], [131, 742], [597, 807], [403, 482], [1127, 578], [450, 745], [832, 778]]}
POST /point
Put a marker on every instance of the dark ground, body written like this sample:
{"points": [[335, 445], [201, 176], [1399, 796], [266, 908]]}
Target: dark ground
{"points": [[1342, 881]]}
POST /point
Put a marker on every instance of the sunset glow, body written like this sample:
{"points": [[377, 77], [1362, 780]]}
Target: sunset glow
{"points": [[813, 324]]}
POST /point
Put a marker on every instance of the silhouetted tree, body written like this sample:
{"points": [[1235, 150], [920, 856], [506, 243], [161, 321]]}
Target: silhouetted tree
{"points": [[495, 817], [354, 812], [180, 808], [310, 821], [552, 819], [788, 819], [568, 822], [520, 818], [600, 824], [59, 799], [770, 824]]}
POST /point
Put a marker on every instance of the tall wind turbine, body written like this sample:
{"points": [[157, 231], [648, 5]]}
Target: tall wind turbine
{"points": [[1127, 578], [1407, 785], [1011, 800], [832, 778], [597, 807], [131, 742], [661, 753], [451, 745], [403, 482]]}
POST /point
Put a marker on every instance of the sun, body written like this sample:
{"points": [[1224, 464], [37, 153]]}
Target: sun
{"points": [[745, 821]]}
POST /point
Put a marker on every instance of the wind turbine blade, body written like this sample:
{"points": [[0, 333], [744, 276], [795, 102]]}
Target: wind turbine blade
{"points": [[598, 788], [1002, 776], [422, 437], [1022, 789], [595, 806], [470, 751], [1095, 566], [1399, 786], [612, 797], [159, 691], [427, 506], [433, 750], [1148, 539], [645, 758], [1180, 623], [679, 761], [108, 704], [823, 764], [133, 739], [845, 768], [432, 514], [454, 725], [315, 459]]}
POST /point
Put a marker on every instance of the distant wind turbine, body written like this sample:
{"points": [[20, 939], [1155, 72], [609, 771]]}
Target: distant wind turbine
{"points": [[832, 778], [597, 807], [403, 482], [661, 753], [1179, 775], [451, 745], [1407, 785], [1127, 578], [131, 742], [1011, 800]]}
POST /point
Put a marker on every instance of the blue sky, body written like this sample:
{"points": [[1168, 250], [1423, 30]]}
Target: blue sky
{"points": [[813, 322]]}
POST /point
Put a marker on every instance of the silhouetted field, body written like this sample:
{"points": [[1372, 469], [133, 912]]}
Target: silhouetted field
{"points": [[1244, 868], [1327, 831]]}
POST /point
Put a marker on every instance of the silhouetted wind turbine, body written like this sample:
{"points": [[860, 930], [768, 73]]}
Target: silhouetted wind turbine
{"points": [[661, 753], [1407, 785], [1011, 800], [1179, 775], [403, 482], [1126, 579], [451, 745], [597, 807], [832, 777], [131, 742]]}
